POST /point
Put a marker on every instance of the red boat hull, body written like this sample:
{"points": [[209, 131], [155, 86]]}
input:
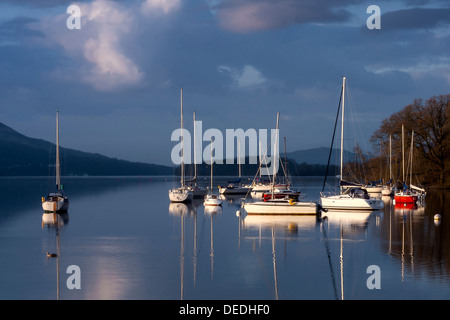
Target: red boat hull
{"points": [[405, 198], [281, 195]]}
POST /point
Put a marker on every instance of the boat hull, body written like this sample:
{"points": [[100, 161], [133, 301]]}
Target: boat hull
{"points": [[212, 201], [233, 190], [280, 195], [345, 202], [405, 198], [281, 207], [60, 205], [180, 195]]}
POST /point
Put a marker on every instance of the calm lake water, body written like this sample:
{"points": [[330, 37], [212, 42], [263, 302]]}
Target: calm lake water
{"points": [[130, 243]]}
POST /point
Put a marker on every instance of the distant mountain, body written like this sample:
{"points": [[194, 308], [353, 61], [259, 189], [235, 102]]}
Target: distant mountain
{"points": [[24, 156], [320, 156], [21, 156]]}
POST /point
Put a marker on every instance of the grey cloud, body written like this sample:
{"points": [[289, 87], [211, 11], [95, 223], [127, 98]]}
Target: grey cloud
{"points": [[17, 29], [41, 3], [416, 18]]}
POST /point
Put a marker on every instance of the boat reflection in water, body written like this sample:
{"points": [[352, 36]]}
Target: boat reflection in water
{"points": [[189, 210], [55, 221], [182, 210], [290, 224], [352, 226], [406, 214], [232, 199], [352, 218]]}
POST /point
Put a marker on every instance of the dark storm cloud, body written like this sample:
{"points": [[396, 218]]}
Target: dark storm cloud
{"points": [[416, 18], [424, 2], [41, 3]]}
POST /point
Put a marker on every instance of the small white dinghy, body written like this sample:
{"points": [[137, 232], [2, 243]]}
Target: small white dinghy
{"points": [[212, 200]]}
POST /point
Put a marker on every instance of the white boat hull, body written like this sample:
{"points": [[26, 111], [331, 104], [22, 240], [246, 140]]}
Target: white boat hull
{"points": [[180, 195], [374, 189], [60, 205], [281, 207], [213, 201], [345, 202]]}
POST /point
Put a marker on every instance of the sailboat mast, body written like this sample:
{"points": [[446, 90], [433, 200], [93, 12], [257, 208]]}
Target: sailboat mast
{"points": [[58, 177], [275, 147], [195, 155], [260, 159], [285, 162], [403, 151], [239, 157], [411, 158], [182, 142], [211, 165], [390, 157], [342, 130]]}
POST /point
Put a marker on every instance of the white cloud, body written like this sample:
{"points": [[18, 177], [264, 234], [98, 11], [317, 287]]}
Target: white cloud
{"points": [[248, 76], [104, 46], [246, 16], [163, 5], [439, 66], [111, 68]]}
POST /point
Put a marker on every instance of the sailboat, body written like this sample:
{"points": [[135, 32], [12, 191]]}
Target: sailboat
{"points": [[56, 201], [353, 198], [212, 199], [235, 187], [288, 191], [408, 195], [259, 187], [182, 193], [276, 205], [197, 191]]}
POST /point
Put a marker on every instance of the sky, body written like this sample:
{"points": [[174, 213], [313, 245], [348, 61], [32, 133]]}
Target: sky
{"points": [[116, 80]]}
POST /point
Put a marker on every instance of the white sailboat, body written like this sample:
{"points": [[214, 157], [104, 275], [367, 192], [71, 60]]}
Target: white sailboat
{"points": [[182, 193], [352, 198], [197, 191], [235, 187], [56, 201], [281, 206], [285, 205], [212, 199]]}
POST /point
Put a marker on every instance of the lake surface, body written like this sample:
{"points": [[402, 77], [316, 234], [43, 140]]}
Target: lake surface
{"points": [[130, 243]]}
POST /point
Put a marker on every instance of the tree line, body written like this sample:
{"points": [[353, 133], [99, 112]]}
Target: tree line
{"points": [[426, 145]]}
